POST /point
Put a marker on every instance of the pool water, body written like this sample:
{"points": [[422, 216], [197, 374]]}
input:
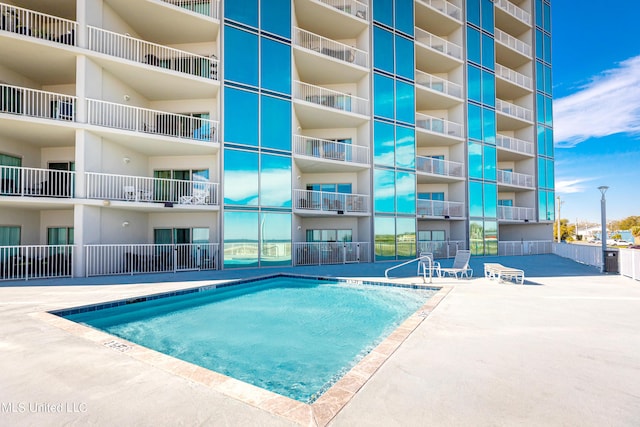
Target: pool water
{"points": [[293, 336]]}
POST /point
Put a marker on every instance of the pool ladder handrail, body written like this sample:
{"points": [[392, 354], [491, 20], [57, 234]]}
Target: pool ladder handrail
{"points": [[424, 270]]}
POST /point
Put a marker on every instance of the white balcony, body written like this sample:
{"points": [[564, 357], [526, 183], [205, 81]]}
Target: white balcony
{"points": [[38, 25], [441, 248], [330, 202], [330, 98], [135, 119], [128, 188], [514, 145], [515, 213], [438, 167], [208, 8], [515, 179], [513, 110], [438, 126], [438, 44], [152, 54], [329, 48], [444, 7], [37, 103], [515, 11], [330, 150], [26, 262], [514, 77], [318, 253], [438, 84], [440, 209], [350, 7], [513, 43], [32, 182]]}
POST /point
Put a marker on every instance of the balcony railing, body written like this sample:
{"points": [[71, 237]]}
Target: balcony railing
{"points": [[330, 48], [514, 77], [514, 144], [434, 124], [438, 84], [330, 150], [35, 261], [331, 98], [20, 181], [317, 253], [441, 249], [330, 201], [204, 7], [514, 110], [515, 11], [351, 7], [151, 190], [38, 25], [439, 208], [149, 258], [526, 247], [132, 49], [439, 167], [515, 213], [437, 43], [515, 179], [445, 7], [513, 43], [37, 103], [136, 119]]}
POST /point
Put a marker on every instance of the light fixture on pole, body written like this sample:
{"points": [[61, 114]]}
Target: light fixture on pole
{"points": [[603, 218]]}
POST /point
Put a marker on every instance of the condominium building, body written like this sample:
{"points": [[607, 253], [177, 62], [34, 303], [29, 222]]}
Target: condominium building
{"points": [[166, 135]]}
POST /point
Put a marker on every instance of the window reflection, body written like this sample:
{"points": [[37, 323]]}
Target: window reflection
{"points": [[383, 49], [475, 199], [405, 192], [404, 16], [275, 17], [490, 160], [384, 147], [245, 11], [275, 181], [241, 56], [488, 52], [490, 238], [405, 147], [240, 178], [475, 121], [404, 57], [405, 102], [240, 239], [385, 238], [275, 66], [383, 11], [275, 127], [241, 116], [474, 83], [475, 160], [275, 231], [473, 45], [476, 238], [490, 200], [383, 98], [489, 126], [384, 190]]}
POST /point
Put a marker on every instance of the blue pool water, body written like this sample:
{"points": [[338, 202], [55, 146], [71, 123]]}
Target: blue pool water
{"points": [[292, 336]]}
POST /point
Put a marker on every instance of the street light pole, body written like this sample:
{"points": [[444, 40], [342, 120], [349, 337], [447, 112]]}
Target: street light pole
{"points": [[603, 218]]}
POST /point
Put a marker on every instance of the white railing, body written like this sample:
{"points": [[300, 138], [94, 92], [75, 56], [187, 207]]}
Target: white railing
{"points": [[21, 181], [445, 7], [317, 253], [330, 48], [585, 254], [39, 25], [351, 7], [105, 186], [132, 49], [512, 42], [439, 208], [514, 76], [330, 98], [330, 201], [136, 119], [515, 11], [35, 261], [438, 84], [208, 8], [514, 144], [514, 110], [524, 247], [434, 124], [37, 103], [629, 262], [149, 258], [441, 249], [331, 150], [434, 166], [437, 43], [515, 178], [515, 213]]}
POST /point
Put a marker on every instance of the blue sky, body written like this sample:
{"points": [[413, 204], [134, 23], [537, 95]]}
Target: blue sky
{"points": [[596, 89]]}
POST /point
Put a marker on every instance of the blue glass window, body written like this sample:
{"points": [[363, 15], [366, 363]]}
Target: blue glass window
{"points": [[489, 126], [404, 16], [276, 63], [474, 76], [539, 76], [539, 47], [405, 102], [491, 238], [473, 45], [538, 10], [547, 48], [383, 144], [275, 17], [547, 80], [490, 159], [475, 122], [383, 11], [475, 160], [275, 239], [542, 147], [405, 192], [241, 116], [543, 212], [404, 58], [476, 237], [385, 238], [275, 181], [551, 205], [549, 141], [244, 11], [487, 15], [540, 107], [488, 89], [547, 17], [405, 147], [488, 52], [275, 127], [406, 238], [473, 11], [475, 199], [241, 56], [384, 190], [542, 173], [490, 200], [241, 178], [383, 52], [383, 96], [548, 111], [240, 239]]}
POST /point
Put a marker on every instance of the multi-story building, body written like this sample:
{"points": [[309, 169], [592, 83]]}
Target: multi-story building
{"points": [[160, 135]]}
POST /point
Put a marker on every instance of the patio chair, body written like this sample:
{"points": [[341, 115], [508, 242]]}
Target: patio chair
{"points": [[130, 192], [427, 265], [200, 197], [460, 266]]}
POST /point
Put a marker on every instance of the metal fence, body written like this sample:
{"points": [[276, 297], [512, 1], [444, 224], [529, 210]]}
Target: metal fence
{"points": [[629, 260], [524, 247], [35, 262], [318, 253], [585, 254]]}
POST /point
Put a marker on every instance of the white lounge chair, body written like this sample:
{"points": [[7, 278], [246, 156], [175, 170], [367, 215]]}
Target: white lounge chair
{"points": [[427, 265], [502, 273], [460, 266]]}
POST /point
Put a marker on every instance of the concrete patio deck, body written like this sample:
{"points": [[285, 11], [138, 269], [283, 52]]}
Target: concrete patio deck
{"points": [[560, 350]]}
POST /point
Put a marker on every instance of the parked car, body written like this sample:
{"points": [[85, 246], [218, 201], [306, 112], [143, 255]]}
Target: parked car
{"points": [[620, 242]]}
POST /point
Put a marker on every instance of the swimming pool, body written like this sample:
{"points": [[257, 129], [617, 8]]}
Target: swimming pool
{"points": [[294, 336]]}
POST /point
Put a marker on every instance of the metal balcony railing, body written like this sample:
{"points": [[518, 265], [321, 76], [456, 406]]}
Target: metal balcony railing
{"points": [[330, 98], [20, 181], [441, 248], [317, 253], [136, 119], [438, 84], [132, 49], [434, 124], [330, 201], [439, 208], [445, 7], [515, 11], [437, 43], [151, 190], [514, 110], [514, 144], [208, 8], [26, 262], [330, 48], [527, 247], [38, 25], [350, 7], [515, 179], [330, 150], [514, 77], [434, 166], [513, 43], [37, 103], [515, 213]]}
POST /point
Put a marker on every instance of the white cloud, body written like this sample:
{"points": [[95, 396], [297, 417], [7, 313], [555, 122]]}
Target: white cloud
{"points": [[609, 104], [570, 186]]}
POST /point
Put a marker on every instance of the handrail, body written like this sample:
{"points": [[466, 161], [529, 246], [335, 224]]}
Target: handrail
{"points": [[424, 271]]}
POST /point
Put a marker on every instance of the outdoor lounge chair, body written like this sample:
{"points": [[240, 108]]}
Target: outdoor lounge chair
{"points": [[427, 265], [460, 266], [502, 273]]}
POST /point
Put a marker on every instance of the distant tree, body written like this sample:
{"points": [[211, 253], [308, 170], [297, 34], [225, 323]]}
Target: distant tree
{"points": [[628, 223], [566, 231], [616, 236], [635, 231]]}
